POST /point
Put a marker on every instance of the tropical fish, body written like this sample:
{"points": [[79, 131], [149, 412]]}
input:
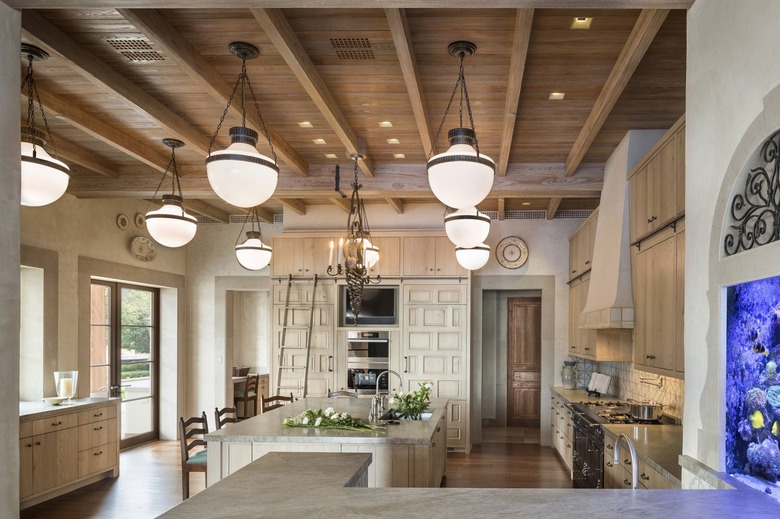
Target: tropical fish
{"points": [[760, 349], [775, 430], [753, 335], [757, 420]]}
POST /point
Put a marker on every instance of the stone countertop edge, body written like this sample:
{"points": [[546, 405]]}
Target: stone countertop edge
{"points": [[268, 428], [659, 446], [33, 410], [575, 396], [309, 485]]}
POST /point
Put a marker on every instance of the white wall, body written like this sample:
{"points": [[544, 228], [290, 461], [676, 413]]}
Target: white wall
{"points": [[733, 103]]}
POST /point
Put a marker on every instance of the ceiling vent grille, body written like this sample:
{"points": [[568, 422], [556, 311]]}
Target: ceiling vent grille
{"points": [[540, 215], [525, 215], [241, 218], [574, 213], [205, 219], [143, 56], [136, 50], [352, 48]]}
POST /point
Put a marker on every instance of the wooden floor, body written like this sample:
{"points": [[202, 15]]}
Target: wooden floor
{"points": [[150, 480]]}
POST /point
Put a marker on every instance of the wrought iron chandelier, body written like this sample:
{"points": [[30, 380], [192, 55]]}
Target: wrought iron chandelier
{"points": [[44, 178], [240, 175], [359, 255], [252, 253], [170, 225]]}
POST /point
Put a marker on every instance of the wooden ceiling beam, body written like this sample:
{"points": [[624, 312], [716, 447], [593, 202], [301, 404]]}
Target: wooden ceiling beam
{"points": [[552, 207], [278, 29], [343, 204], [200, 69], [361, 4], [501, 209], [643, 34], [292, 204], [205, 209], [102, 131], [84, 158], [523, 20], [396, 203], [399, 28]]}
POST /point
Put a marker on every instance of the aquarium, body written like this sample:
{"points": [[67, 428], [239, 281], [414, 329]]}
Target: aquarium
{"points": [[753, 384]]}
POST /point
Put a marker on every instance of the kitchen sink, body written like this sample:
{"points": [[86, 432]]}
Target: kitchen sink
{"points": [[392, 414]]}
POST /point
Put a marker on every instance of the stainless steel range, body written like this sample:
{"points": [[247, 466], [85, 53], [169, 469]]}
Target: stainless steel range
{"points": [[588, 451]]}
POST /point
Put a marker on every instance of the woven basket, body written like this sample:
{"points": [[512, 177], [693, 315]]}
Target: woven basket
{"points": [[241, 371]]}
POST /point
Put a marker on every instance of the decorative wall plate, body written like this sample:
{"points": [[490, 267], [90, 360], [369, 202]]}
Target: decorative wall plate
{"points": [[143, 248], [512, 252], [122, 221], [140, 220]]}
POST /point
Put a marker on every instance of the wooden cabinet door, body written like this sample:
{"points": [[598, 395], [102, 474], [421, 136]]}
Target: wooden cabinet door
{"points": [[282, 256], [419, 256], [446, 263], [25, 467], [587, 338], [44, 471], [667, 182], [389, 257], [680, 163], [641, 269], [639, 189], [663, 319], [574, 318], [574, 257], [589, 243], [679, 364]]}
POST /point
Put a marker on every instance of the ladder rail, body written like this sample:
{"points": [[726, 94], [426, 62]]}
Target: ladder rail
{"points": [[283, 347], [308, 338]]}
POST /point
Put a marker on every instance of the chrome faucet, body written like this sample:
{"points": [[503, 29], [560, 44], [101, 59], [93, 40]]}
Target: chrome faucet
{"points": [[378, 400], [632, 450]]}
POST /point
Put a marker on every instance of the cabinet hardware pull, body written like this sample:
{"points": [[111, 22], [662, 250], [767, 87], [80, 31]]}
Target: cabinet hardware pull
{"points": [[438, 429], [406, 364], [587, 349], [330, 363], [37, 443], [587, 262], [573, 271], [627, 461], [56, 424], [98, 453], [98, 428], [29, 445], [433, 444], [645, 477], [627, 482], [97, 415], [561, 437], [609, 464], [568, 446], [609, 446]]}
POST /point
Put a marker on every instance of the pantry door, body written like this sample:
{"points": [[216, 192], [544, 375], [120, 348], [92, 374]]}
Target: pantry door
{"points": [[524, 361]]}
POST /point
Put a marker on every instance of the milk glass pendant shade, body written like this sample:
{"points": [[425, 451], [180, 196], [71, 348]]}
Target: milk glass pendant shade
{"points": [[239, 174], [370, 253], [467, 227], [44, 179], [170, 225], [461, 176], [253, 254], [472, 258]]}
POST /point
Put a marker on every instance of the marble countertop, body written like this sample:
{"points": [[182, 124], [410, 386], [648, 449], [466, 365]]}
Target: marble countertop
{"points": [[578, 395], [288, 491], [268, 427], [34, 410], [659, 446]]}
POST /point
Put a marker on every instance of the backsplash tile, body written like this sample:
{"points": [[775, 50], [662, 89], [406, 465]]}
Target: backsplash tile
{"points": [[626, 384]]}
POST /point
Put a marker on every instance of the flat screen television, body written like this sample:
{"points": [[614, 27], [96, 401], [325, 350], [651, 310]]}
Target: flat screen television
{"points": [[380, 306]]}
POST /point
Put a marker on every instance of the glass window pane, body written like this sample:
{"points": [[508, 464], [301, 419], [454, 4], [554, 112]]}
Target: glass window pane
{"points": [[136, 307], [136, 417], [100, 304], [136, 343], [136, 380], [100, 378], [100, 345]]}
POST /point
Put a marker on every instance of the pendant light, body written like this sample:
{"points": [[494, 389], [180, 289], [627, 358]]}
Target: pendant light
{"points": [[44, 178], [170, 225], [239, 174], [467, 227], [473, 258], [461, 176], [252, 253]]}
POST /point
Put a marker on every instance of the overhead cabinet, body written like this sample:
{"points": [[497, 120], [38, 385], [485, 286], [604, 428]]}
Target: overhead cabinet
{"points": [[430, 256], [581, 246]]}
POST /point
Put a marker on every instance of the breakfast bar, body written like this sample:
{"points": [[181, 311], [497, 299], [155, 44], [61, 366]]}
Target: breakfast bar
{"points": [[406, 453]]}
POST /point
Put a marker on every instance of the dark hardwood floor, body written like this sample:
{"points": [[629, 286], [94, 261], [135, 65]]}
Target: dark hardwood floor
{"points": [[150, 479]]}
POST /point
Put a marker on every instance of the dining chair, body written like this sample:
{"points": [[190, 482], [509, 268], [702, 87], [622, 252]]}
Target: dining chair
{"points": [[246, 396], [273, 402], [224, 416], [342, 393], [191, 433]]}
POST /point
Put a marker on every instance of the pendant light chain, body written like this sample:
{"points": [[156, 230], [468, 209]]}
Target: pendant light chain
{"points": [[464, 94], [32, 96], [224, 113], [260, 116], [254, 218]]}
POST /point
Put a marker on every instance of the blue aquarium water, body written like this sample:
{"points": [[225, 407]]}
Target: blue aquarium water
{"points": [[753, 384]]}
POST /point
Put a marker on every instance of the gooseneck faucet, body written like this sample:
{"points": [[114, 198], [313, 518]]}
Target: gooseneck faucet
{"points": [[632, 450], [378, 400]]}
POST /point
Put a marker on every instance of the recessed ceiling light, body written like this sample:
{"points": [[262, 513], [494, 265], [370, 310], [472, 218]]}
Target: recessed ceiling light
{"points": [[385, 124], [305, 124], [526, 203], [557, 95], [393, 141], [319, 141], [581, 22], [399, 156], [331, 156]]}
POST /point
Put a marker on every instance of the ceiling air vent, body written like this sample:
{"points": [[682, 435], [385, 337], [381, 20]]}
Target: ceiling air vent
{"points": [[136, 50], [352, 48]]}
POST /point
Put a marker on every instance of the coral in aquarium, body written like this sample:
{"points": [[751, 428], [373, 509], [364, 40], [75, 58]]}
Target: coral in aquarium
{"points": [[752, 382]]}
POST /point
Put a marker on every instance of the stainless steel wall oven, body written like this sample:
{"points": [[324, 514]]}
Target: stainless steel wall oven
{"points": [[367, 356]]}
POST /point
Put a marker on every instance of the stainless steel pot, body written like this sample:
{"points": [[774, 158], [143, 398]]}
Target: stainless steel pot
{"points": [[645, 410]]}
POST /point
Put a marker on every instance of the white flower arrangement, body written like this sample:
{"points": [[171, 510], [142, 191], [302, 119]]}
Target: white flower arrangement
{"points": [[327, 419]]}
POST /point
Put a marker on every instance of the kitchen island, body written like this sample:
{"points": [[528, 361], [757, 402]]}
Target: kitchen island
{"points": [[411, 453]]}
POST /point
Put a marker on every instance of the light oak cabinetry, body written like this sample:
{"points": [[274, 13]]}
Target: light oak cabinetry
{"points": [[621, 475], [389, 256], [582, 342], [301, 256], [581, 246], [658, 233], [430, 256], [562, 438], [66, 449]]}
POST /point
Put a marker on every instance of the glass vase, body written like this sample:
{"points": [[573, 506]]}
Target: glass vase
{"points": [[66, 382], [569, 374]]}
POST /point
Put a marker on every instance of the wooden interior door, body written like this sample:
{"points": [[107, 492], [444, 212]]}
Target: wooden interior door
{"points": [[524, 361]]}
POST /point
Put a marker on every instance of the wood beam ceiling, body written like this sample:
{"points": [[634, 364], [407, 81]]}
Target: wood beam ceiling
{"points": [[278, 29], [342, 203], [501, 209], [643, 34], [165, 35], [523, 21], [396, 203], [552, 207], [402, 39], [356, 4], [84, 158], [292, 204]]}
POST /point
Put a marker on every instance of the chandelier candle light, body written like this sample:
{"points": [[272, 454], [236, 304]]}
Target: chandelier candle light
{"points": [[44, 178], [170, 225], [240, 175], [252, 253], [356, 251]]}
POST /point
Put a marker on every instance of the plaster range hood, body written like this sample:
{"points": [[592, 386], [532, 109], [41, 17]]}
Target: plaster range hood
{"points": [[610, 303]]}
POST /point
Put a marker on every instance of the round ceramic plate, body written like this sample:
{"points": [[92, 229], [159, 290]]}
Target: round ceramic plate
{"points": [[122, 221], [140, 220], [512, 252], [143, 249], [54, 400]]}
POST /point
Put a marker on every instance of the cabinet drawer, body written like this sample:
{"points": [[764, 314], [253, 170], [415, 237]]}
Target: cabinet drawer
{"points": [[97, 414], [25, 429], [54, 423], [97, 434], [650, 478], [98, 459]]}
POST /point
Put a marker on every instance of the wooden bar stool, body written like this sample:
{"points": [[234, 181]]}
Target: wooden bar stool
{"points": [[191, 432], [247, 395], [274, 402], [224, 416]]}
